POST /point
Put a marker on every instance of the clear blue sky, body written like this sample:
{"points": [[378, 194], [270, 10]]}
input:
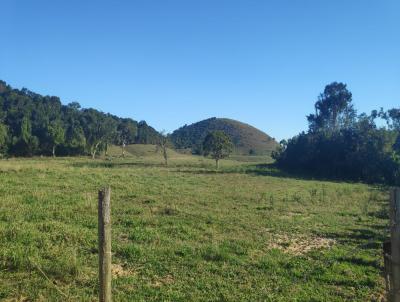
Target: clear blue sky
{"points": [[175, 62]]}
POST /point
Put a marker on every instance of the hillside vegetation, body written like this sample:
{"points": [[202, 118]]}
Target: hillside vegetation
{"points": [[32, 124], [186, 232], [246, 139], [342, 144]]}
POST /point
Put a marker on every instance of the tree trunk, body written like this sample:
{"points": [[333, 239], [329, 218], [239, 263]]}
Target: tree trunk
{"points": [[165, 155], [54, 150], [123, 151], [94, 150], [335, 122]]}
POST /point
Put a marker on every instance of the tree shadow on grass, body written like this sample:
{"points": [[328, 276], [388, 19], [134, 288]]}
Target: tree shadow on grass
{"points": [[356, 260], [268, 169], [364, 238], [111, 165], [380, 214], [255, 170], [204, 171], [359, 243], [272, 170]]}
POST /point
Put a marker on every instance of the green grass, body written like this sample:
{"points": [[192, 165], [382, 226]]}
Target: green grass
{"points": [[187, 233]]}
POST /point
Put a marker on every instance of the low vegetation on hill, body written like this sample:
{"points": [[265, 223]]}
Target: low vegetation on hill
{"points": [[186, 232], [246, 139]]}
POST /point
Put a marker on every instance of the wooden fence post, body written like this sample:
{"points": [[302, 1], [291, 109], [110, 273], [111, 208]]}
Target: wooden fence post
{"points": [[387, 269], [105, 277], [395, 246]]}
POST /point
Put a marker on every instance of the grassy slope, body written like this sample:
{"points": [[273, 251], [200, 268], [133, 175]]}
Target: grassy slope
{"points": [[149, 152], [250, 138], [245, 137], [186, 233], [139, 150]]}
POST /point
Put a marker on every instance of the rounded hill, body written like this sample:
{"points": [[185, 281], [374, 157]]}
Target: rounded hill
{"points": [[247, 140]]}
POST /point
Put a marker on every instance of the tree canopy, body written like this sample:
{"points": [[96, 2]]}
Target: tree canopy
{"points": [[333, 110]]}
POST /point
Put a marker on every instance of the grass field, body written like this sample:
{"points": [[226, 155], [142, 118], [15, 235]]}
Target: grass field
{"points": [[187, 233]]}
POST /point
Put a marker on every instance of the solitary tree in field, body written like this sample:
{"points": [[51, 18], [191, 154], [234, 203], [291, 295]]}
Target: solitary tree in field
{"points": [[162, 146], [218, 145]]}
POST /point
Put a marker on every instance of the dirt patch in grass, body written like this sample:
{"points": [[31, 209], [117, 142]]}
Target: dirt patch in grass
{"points": [[159, 282], [300, 244], [119, 271]]}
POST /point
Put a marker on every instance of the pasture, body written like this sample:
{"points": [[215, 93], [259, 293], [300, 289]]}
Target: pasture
{"points": [[186, 232]]}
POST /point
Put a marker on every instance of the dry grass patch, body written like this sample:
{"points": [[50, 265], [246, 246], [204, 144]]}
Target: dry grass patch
{"points": [[162, 281], [300, 245], [119, 271]]}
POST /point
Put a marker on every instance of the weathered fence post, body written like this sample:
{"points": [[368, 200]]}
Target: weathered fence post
{"points": [[387, 258], [104, 211], [395, 244]]}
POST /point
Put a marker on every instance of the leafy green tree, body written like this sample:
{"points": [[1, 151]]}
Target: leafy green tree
{"points": [[126, 133], [3, 137], [162, 146], [218, 145], [75, 140], [26, 143], [392, 118], [110, 125], [333, 110], [56, 134], [74, 106], [26, 130], [98, 128], [146, 134]]}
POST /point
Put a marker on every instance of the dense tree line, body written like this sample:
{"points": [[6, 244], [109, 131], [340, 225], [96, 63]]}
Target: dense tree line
{"points": [[32, 124], [342, 144]]}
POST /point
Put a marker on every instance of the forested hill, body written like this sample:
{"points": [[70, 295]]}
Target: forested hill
{"points": [[246, 138], [32, 124]]}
